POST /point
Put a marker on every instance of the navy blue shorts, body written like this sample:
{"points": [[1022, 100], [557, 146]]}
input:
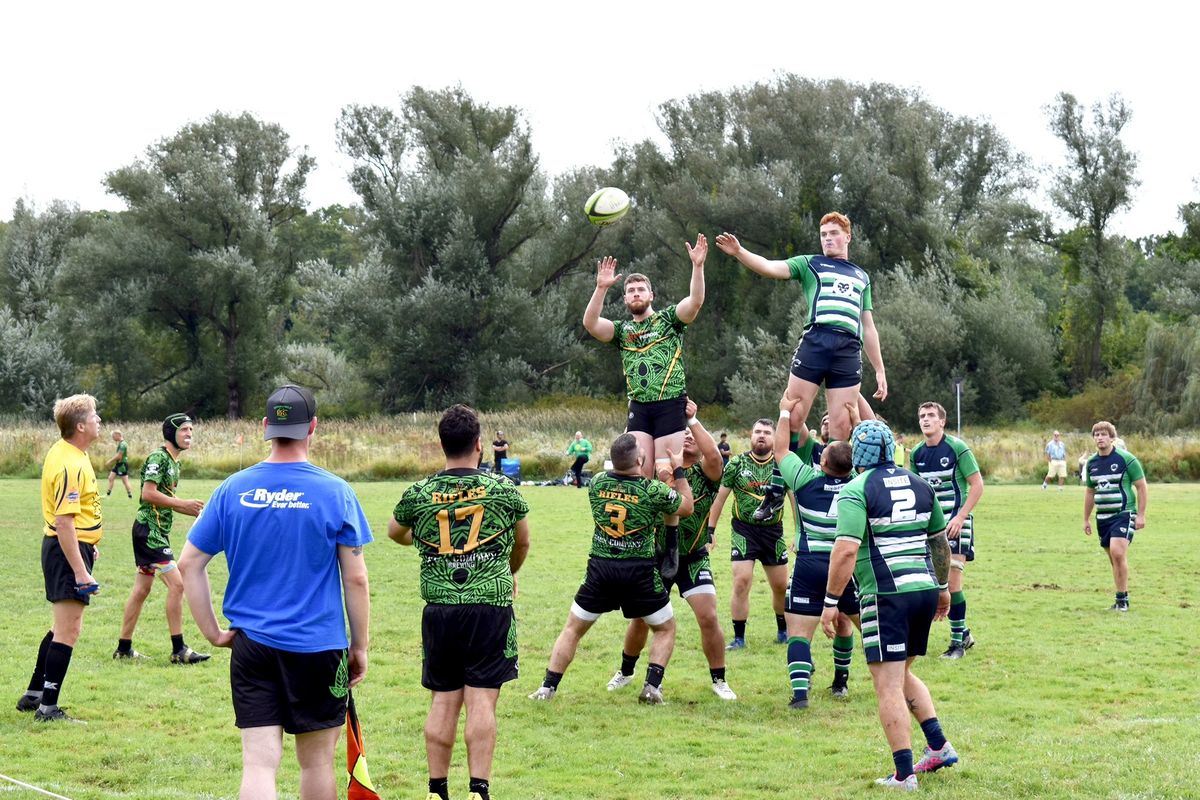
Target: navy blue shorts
{"points": [[830, 355], [895, 627], [806, 592], [1119, 526]]}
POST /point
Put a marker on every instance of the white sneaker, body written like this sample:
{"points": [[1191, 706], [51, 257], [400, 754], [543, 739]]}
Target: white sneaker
{"points": [[909, 784], [721, 689], [651, 695], [544, 693], [619, 681]]}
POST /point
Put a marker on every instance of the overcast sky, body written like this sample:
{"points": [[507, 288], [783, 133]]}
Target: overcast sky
{"points": [[88, 86]]}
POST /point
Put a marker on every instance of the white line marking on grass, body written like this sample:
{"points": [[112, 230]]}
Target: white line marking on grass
{"points": [[32, 788]]}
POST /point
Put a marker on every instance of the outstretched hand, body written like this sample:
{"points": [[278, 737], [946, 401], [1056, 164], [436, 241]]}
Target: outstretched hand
{"points": [[728, 244], [676, 457], [699, 252], [606, 273]]}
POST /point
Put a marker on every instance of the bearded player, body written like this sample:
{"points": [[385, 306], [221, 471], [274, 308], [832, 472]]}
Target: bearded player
{"points": [[651, 345]]}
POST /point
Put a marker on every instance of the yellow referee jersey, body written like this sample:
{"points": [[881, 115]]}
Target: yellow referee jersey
{"points": [[69, 489]]}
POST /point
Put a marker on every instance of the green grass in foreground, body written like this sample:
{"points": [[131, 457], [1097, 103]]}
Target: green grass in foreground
{"points": [[1059, 699]]}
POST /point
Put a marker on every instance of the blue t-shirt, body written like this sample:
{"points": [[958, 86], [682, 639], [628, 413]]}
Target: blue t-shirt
{"points": [[279, 526]]}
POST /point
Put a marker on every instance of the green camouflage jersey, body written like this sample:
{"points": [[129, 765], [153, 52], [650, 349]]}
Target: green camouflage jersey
{"points": [[652, 355], [123, 456], [628, 511], [693, 530], [463, 523], [747, 478], [163, 471], [837, 292], [891, 513], [1111, 479]]}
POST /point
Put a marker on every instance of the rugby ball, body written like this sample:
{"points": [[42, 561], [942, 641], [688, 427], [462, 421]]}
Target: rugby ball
{"points": [[606, 205]]}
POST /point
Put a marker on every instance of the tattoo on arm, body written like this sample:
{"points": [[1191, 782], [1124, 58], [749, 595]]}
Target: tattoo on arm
{"points": [[357, 550], [939, 551]]}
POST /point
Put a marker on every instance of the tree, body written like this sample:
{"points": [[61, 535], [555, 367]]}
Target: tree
{"points": [[1096, 182], [198, 253]]}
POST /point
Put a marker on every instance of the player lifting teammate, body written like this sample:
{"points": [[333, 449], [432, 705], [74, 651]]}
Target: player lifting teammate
{"points": [[651, 346], [622, 570], [694, 579]]}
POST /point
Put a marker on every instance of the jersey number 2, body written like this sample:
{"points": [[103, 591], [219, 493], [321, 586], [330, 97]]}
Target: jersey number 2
{"points": [[904, 505]]}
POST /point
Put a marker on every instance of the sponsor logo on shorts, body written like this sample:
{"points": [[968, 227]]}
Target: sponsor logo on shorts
{"points": [[895, 648], [265, 498]]}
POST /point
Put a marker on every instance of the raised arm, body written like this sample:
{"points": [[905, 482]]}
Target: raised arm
{"points": [[874, 354], [606, 275], [728, 244], [711, 464], [689, 307], [783, 429]]}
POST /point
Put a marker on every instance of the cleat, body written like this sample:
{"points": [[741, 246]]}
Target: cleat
{"points": [[738, 643], [28, 702], [909, 784], [619, 681], [721, 689], [544, 693], [770, 507], [781, 637], [188, 656], [839, 687], [933, 760], [651, 695], [968, 640], [129, 655], [954, 651], [1122, 607], [798, 703], [55, 714]]}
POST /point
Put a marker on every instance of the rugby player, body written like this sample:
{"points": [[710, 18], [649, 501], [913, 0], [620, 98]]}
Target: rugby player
{"points": [[1111, 472]]}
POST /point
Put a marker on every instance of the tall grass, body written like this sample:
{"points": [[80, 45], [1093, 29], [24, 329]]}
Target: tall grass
{"points": [[405, 446]]}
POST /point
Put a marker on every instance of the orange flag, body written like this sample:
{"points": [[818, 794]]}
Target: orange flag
{"points": [[360, 786]]}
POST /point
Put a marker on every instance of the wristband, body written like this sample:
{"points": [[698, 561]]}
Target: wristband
{"points": [[679, 472], [693, 421], [712, 534], [831, 601], [944, 587], [785, 414]]}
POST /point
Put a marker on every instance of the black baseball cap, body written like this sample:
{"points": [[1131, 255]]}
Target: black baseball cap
{"points": [[290, 409]]}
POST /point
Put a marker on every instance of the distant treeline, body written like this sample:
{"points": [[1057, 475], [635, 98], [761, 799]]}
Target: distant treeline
{"points": [[462, 273]]}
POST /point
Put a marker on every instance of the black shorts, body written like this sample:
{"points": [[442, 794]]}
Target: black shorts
{"points": [[468, 645], [145, 556], [57, 571], [299, 691], [694, 577], [121, 470], [1119, 526], [660, 418], [758, 543], [630, 584], [806, 591], [830, 355], [895, 627]]}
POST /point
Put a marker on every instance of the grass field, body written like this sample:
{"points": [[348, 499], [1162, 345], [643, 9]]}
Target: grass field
{"points": [[1060, 699]]}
